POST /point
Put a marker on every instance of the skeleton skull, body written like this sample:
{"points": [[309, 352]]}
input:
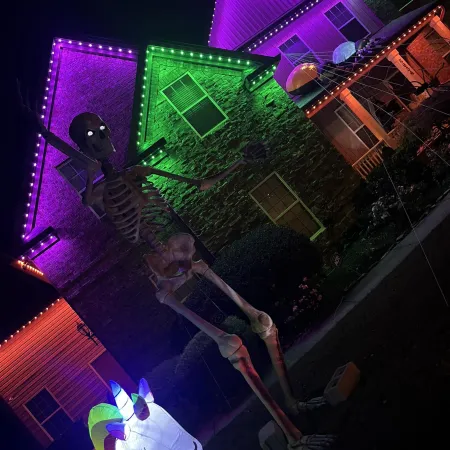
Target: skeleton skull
{"points": [[92, 135]]}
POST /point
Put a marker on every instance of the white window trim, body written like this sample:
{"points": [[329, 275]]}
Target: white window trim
{"points": [[304, 43], [297, 201], [50, 416], [205, 95], [348, 21], [351, 130], [80, 193]]}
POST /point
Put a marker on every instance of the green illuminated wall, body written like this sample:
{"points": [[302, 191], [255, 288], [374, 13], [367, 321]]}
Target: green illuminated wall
{"points": [[299, 154]]}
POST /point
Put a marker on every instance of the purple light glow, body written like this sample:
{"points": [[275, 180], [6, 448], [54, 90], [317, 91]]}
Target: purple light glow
{"points": [[237, 21], [40, 247], [58, 46], [83, 78]]}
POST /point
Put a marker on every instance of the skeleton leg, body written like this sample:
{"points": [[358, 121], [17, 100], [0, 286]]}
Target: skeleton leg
{"points": [[263, 325], [231, 347]]}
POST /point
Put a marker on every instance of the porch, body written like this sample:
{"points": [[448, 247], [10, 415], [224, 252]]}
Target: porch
{"points": [[370, 99]]}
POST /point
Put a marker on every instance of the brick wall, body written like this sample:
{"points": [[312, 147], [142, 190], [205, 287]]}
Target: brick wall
{"points": [[298, 152]]}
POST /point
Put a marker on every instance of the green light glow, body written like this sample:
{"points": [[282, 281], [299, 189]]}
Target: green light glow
{"points": [[162, 49], [172, 51], [181, 52], [229, 59], [220, 58], [210, 57], [238, 61], [153, 48], [201, 55], [191, 54], [248, 63]]}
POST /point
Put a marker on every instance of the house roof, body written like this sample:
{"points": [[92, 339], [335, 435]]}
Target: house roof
{"points": [[388, 38], [236, 21], [26, 296], [397, 26], [165, 63], [102, 51]]}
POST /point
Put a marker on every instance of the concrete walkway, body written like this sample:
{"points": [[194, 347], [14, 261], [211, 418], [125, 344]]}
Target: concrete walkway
{"points": [[373, 281]]}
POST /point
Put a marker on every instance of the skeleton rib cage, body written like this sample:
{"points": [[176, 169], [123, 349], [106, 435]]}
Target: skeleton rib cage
{"points": [[135, 207]]}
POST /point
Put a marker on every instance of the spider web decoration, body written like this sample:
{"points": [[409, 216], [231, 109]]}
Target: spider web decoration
{"points": [[386, 83]]}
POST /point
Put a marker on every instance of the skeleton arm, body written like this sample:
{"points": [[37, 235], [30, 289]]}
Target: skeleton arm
{"points": [[202, 184], [92, 194]]}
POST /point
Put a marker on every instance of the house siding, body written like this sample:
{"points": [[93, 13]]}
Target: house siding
{"points": [[318, 33], [50, 353], [85, 82]]}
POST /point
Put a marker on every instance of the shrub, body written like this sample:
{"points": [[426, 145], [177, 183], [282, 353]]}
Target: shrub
{"points": [[200, 384], [265, 267]]}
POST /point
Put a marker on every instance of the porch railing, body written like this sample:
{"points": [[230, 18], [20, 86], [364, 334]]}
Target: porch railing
{"points": [[369, 161]]}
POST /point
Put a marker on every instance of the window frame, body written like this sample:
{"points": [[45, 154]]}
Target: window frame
{"points": [[60, 407], [205, 95], [348, 21], [305, 44], [359, 128], [80, 192], [296, 202]]}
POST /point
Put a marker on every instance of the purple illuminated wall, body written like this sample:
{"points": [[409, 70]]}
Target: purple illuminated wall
{"points": [[258, 25], [82, 77], [236, 21], [316, 31]]}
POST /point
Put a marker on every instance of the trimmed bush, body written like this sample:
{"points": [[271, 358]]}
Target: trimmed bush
{"points": [[265, 266]]}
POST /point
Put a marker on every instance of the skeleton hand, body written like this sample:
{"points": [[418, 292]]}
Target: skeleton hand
{"points": [[28, 113], [314, 442], [314, 403], [255, 151]]}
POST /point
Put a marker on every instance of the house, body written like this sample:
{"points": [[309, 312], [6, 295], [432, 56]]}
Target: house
{"points": [[383, 87], [199, 101], [53, 369], [358, 104]]}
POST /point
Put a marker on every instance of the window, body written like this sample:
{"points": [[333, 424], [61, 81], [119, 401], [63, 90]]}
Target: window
{"points": [[437, 42], [346, 23], [297, 52], [196, 107], [283, 207], [49, 414], [76, 175], [356, 126]]}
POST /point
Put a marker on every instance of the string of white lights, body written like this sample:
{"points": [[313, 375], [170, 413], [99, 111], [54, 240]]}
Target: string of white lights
{"points": [[399, 121], [422, 105], [379, 47], [409, 219]]}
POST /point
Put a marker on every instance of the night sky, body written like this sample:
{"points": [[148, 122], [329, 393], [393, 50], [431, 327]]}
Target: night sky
{"points": [[130, 22]]}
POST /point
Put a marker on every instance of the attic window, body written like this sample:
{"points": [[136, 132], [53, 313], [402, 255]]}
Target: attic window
{"points": [[76, 175], [297, 52], [282, 205], [194, 105], [49, 414], [344, 20]]}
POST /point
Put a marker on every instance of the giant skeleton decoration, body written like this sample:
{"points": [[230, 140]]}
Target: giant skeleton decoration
{"points": [[134, 206]]}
